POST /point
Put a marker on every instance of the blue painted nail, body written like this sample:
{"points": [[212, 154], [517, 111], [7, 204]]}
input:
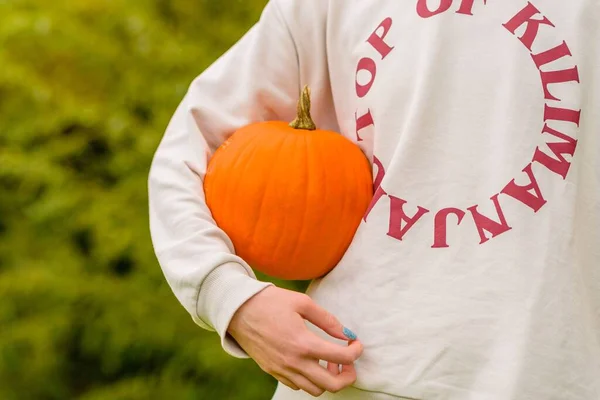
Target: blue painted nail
{"points": [[349, 334]]}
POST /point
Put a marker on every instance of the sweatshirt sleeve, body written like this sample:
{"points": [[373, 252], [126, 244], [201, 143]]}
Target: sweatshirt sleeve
{"points": [[255, 80]]}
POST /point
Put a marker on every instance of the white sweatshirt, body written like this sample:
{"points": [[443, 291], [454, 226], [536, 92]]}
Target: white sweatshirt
{"points": [[476, 272]]}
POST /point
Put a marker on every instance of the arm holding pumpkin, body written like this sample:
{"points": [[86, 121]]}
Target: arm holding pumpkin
{"points": [[259, 78], [256, 79]]}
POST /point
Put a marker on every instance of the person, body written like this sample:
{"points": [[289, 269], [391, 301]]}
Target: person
{"points": [[475, 273]]}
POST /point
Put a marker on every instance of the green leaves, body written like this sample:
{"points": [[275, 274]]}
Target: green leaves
{"points": [[86, 91]]}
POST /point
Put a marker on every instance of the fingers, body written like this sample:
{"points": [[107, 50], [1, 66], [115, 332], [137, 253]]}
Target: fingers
{"points": [[325, 379], [309, 375], [305, 372], [306, 384], [323, 319], [333, 368], [350, 369], [285, 381], [322, 349], [292, 354]]}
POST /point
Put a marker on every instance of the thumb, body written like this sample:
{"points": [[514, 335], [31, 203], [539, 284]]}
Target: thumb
{"points": [[326, 321]]}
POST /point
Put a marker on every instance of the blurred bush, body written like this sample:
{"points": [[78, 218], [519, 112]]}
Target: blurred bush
{"points": [[86, 90]]}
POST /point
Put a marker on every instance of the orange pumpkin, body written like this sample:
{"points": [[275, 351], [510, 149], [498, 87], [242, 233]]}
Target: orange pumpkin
{"points": [[289, 196]]}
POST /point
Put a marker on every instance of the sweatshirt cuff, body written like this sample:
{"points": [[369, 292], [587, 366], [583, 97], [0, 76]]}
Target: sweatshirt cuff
{"points": [[222, 293]]}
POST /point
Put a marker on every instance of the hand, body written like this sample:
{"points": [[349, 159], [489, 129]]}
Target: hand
{"points": [[270, 327]]}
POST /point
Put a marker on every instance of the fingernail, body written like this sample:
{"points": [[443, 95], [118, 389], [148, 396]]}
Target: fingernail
{"points": [[349, 334]]}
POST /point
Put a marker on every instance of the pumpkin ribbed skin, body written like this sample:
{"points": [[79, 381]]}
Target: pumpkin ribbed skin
{"points": [[289, 199]]}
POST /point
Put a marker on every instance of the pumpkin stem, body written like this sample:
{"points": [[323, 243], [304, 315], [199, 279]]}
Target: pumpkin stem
{"points": [[304, 120]]}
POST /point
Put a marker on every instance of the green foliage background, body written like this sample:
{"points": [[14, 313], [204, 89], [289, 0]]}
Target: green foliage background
{"points": [[86, 90]]}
